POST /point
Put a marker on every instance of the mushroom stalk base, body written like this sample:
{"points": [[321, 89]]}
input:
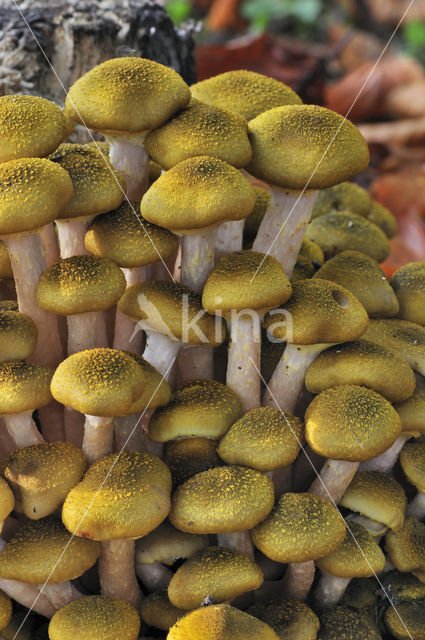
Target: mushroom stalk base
{"points": [[333, 479], [386, 460], [97, 441], [238, 541], [132, 161], [71, 236], [116, 571], [298, 579], [197, 258], [84, 333], [155, 577], [161, 352], [196, 363], [283, 227], [22, 429], [60, 594], [416, 508], [243, 365], [229, 238], [125, 336], [330, 590], [50, 244]]}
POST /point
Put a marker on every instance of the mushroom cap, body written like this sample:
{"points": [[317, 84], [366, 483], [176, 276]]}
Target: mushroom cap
{"points": [[361, 593], [219, 572], [29, 126], [263, 439], [23, 386], [405, 338], [290, 619], [99, 382], [156, 610], [412, 411], [41, 475], [169, 308], [310, 258], [7, 501], [378, 496], [167, 544], [253, 221], [301, 527], [244, 92], [99, 617], [128, 94], [352, 270], [222, 500], [345, 196], [33, 192], [412, 460], [403, 586], [383, 218], [200, 130], [362, 363], [133, 499], [331, 147], [80, 284], [342, 623], [5, 610], [198, 193], [220, 622], [408, 621], [186, 457], [409, 284], [320, 312], [204, 408], [406, 547], [44, 551], [97, 186], [6, 272], [156, 390], [9, 305], [18, 336], [246, 280], [124, 237], [351, 423]]}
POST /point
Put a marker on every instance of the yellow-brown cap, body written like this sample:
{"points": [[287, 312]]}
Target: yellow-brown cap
{"points": [[342, 623], [405, 338], [310, 258], [383, 218], [290, 618], [406, 547], [7, 501], [409, 284], [412, 411], [186, 457], [5, 610], [167, 544], [23, 386], [345, 196], [406, 621], [157, 611], [18, 336], [156, 390], [412, 460]]}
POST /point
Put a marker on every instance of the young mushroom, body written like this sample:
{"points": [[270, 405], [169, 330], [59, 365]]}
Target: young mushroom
{"points": [[18, 335], [287, 617], [408, 283], [412, 460], [157, 611]]}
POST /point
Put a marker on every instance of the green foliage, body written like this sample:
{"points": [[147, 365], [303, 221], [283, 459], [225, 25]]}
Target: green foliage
{"points": [[260, 12], [414, 39], [179, 10]]}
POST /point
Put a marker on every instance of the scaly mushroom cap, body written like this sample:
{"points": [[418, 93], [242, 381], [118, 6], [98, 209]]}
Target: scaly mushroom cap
{"points": [[169, 308], [41, 475], [198, 193], [408, 621], [23, 386], [80, 284], [342, 623], [186, 457], [124, 237], [18, 336], [301, 527], [362, 363], [127, 94], [378, 496], [44, 550], [253, 221], [201, 130], [320, 312], [222, 500], [98, 382], [263, 439], [5, 610], [97, 186], [383, 218], [412, 411], [345, 196], [361, 593], [203, 408], [244, 92], [99, 617], [134, 497], [403, 586], [9, 305], [33, 191], [157, 611], [351, 423], [220, 622], [409, 284], [29, 126], [7, 501], [290, 619], [6, 272], [156, 390], [352, 270], [412, 460], [406, 547], [406, 339], [218, 572], [332, 149], [167, 544], [310, 257], [246, 280], [342, 231]]}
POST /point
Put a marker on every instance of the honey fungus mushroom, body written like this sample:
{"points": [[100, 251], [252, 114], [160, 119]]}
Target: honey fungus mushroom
{"points": [[18, 335]]}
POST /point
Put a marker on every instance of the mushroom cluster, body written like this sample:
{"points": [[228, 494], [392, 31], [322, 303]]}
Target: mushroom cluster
{"points": [[212, 400]]}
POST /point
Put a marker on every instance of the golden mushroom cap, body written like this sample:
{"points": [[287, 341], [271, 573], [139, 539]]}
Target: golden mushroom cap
{"points": [[219, 572], [18, 336], [29, 127], [98, 382], [41, 475], [198, 193], [167, 544], [157, 611], [403, 586], [33, 191], [263, 439], [361, 593], [406, 547], [383, 218], [169, 308], [360, 274], [97, 186], [133, 498], [246, 280], [23, 386], [408, 621], [80, 284], [244, 92], [351, 423], [123, 236], [95, 617], [7, 501], [186, 457], [296, 146], [412, 410], [409, 284], [6, 272], [44, 550], [128, 94], [362, 363], [290, 619], [156, 391], [412, 460], [301, 527], [253, 221], [342, 623], [310, 257], [9, 305], [222, 500], [405, 338], [200, 130], [5, 610], [205, 408], [220, 622], [345, 196]]}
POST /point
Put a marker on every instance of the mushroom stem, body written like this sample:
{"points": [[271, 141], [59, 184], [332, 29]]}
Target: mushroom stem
{"points": [[116, 571], [375, 528], [83, 331], [283, 227], [22, 429], [71, 236], [161, 352], [27, 259], [238, 541], [243, 363], [125, 336], [330, 590], [229, 238], [287, 380], [197, 258], [416, 508], [132, 161], [154, 576], [98, 434], [333, 480], [60, 594], [298, 579], [49, 240], [386, 460], [196, 363], [28, 595]]}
